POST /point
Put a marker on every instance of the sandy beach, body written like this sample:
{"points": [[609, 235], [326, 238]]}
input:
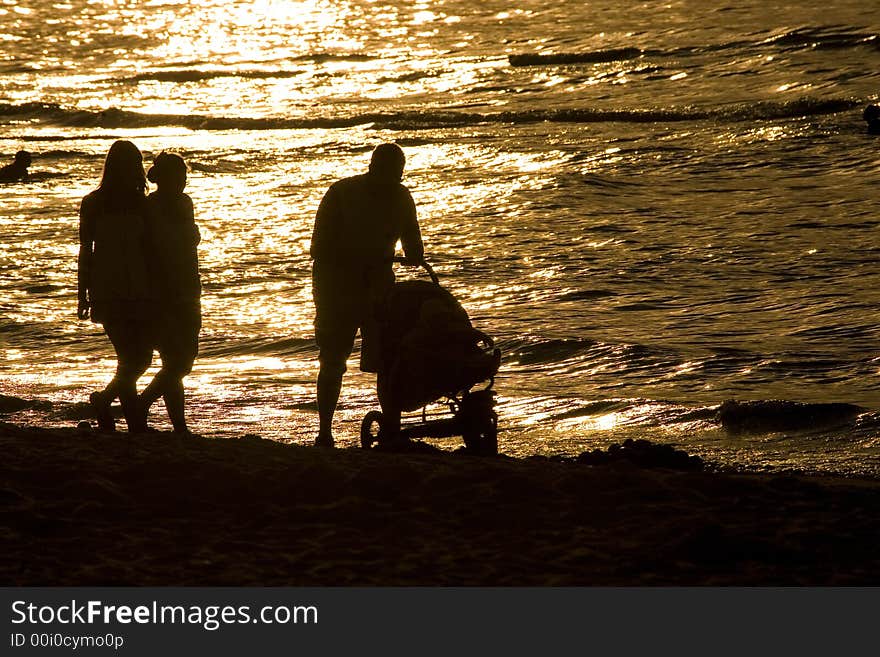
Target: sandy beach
{"points": [[91, 509]]}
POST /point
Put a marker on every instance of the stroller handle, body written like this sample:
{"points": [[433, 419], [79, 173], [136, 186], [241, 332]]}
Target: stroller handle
{"points": [[423, 264]]}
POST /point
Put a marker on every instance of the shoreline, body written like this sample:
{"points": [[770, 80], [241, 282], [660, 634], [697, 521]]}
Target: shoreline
{"points": [[90, 509]]}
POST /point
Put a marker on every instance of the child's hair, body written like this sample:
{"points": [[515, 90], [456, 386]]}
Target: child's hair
{"points": [[168, 171]]}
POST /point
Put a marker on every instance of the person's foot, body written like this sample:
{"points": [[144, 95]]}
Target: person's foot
{"points": [[141, 414], [140, 427], [324, 441], [101, 405], [138, 422]]}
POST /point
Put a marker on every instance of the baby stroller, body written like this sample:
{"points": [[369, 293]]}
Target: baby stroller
{"points": [[429, 351]]}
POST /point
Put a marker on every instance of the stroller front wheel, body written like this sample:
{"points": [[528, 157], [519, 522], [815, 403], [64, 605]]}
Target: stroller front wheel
{"points": [[367, 435], [481, 437]]}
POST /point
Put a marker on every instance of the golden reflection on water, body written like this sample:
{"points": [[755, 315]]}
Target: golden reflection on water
{"points": [[601, 423], [256, 217], [424, 16], [481, 173], [601, 160], [296, 28]]}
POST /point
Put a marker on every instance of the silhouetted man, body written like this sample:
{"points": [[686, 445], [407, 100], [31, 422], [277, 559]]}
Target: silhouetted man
{"points": [[18, 170], [359, 221]]}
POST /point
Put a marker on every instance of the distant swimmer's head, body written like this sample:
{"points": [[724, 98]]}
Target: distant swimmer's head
{"points": [[386, 163], [123, 170], [23, 159], [872, 116], [168, 172]]}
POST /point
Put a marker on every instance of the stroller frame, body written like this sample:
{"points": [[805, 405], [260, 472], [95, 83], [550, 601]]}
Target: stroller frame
{"points": [[473, 418], [471, 414]]}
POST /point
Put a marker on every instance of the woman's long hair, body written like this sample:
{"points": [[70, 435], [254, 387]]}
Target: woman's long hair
{"points": [[123, 183]]}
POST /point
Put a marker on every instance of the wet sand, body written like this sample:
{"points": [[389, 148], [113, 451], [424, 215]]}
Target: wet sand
{"points": [[93, 509]]}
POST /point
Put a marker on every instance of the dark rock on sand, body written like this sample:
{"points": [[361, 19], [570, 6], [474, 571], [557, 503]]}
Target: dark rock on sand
{"points": [[645, 454], [15, 404], [76, 412]]}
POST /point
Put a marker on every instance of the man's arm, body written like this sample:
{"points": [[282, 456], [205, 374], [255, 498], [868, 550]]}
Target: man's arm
{"points": [[324, 220], [410, 234]]}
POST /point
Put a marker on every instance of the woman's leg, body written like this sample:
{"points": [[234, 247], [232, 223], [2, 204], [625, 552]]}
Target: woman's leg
{"points": [[134, 353]]}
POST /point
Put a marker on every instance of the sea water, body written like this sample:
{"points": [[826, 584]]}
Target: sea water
{"points": [[652, 207]]}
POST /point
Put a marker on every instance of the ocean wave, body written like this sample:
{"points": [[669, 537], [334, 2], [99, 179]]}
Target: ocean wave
{"points": [[322, 57], [600, 407], [544, 351], [218, 346], [413, 76], [184, 75], [60, 138], [113, 118], [586, 295], [197, 75], [771, 416], [592, 57], [16, 67], [579, 357], [61, 154], [802, 38], [26, 334], [816, 38]]}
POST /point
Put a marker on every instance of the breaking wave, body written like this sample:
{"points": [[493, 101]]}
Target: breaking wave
{"points": [[804, 38], [113, 118]]}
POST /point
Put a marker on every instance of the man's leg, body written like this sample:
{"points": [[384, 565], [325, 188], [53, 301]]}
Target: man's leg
{"points": [[329, 386], [390, 413], [335, 343]]}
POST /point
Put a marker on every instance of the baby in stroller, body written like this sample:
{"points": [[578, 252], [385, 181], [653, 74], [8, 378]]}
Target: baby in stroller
{"points": [[431, 351]]}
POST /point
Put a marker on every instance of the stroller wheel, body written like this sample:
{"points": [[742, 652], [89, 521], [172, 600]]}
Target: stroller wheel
{"points": [[481, 437], [367, 435]]}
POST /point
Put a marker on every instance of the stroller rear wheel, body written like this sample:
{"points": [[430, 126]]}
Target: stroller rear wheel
{"points": [[367, 426], [481, 436]]}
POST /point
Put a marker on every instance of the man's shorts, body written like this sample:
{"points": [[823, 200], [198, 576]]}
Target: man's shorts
{"points": [[344, 304], [335, 331]]}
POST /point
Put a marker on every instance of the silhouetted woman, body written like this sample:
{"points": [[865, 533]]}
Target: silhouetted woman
{"points": [[113, 283], [171, 240]]}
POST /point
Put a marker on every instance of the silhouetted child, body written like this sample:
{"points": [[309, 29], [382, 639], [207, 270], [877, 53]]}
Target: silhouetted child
{"points": [[18, 170], [872, 116], [171, 240]]}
